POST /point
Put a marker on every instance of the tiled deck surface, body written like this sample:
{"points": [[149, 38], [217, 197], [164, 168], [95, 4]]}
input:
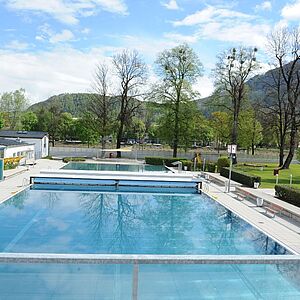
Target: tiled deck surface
{"points": [[19, 176], [249, 212]]}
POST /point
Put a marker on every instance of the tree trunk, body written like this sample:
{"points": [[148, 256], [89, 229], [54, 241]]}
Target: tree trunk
{"points": [[252, 149], [103, 142], [176, 127], [234, 135], [119, 137], [292, 145], [281, 155]]}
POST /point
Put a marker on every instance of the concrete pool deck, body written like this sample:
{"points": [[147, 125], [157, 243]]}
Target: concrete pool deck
{"points": [[18, 179], [277, 231]]}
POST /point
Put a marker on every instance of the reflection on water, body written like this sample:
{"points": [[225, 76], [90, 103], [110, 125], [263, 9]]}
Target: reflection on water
{"points": [[114, 222]]}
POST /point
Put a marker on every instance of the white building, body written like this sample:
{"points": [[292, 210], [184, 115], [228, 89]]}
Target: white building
{"points": [[13, 148], [39, 139]]}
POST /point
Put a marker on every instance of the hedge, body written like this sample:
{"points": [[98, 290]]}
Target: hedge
{"points": [[288, 194], [68, 159], [241, 177], [211, 167], [223, 162], [156, 160]]}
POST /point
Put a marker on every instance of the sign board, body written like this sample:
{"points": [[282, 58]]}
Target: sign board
{"points": [[232, 149]]}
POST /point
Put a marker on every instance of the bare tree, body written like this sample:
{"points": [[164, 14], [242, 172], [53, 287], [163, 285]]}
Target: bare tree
{"points": [[101, 104], [275, 108], [132, 74], [284, 46], [232, 70]]}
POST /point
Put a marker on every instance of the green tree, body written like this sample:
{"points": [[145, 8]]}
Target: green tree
{"points": [[250, 130], [65, 125], [192, 126], [136, 129], [178, 68], [1, 120], [13, 104], [233, 68], [49, 120], [29, 121], [84, 130], [221, 126]]}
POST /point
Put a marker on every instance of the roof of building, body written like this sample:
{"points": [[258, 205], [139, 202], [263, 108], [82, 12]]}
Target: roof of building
{"points": [[10, 143], [23, 134]]}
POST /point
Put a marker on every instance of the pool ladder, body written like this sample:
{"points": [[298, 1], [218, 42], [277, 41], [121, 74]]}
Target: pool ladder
{"points": [[25, 182]]}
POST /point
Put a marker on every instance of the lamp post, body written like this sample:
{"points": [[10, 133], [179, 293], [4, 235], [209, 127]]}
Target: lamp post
{"points": [[231, 151]]}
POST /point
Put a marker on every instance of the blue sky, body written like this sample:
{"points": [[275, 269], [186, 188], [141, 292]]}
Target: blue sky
{"points": [[50, 47]]}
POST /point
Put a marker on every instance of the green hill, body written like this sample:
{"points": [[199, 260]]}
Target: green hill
{"points": [[72, 103]]}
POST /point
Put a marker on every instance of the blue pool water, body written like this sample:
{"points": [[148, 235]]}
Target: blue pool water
{"points": [[61, 221], [113, 167], [163, 282], [154, 222]]}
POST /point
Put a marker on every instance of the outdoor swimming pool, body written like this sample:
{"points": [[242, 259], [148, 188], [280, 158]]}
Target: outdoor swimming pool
{"points": [[54, 219], [60, 221], [113, 167]]}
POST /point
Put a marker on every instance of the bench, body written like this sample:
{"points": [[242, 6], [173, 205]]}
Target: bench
{"points": [[240, 196], [272, 210]]}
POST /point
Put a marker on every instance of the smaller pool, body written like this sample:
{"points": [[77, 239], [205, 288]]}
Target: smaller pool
{"points": [[113, 167]]}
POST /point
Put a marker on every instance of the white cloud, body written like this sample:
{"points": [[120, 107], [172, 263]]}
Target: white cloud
{"points": [[64, 36], [210, 14], [172, 5], [47, 34], [68, 11], [43, 74], [223, 24], [291, 11], [266, 5], [180, 38], [205, 86], [86, 31], [245, 33], [17, 45]]}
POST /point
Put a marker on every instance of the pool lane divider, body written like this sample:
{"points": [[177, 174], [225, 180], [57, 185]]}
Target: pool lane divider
{"points": [[37, 258], [104, 178]]}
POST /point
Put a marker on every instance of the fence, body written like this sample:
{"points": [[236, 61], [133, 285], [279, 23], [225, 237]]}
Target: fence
{"points": [[139, 153]]}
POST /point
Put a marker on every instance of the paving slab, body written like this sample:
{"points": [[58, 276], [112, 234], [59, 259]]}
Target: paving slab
{"points": [[17, 181], [278, 232]]}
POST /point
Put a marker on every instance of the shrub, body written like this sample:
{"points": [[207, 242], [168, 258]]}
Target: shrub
{"points": [[223, 162], [11, 162], [48, 157], [288, 194], [211, 167], [68, 159], [241, 177]]}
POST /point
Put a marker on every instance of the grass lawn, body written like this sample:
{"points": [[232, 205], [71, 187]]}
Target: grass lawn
{"points": [[268, 180]]}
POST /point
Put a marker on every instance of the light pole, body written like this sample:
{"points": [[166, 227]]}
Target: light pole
{"points": [[231, 151]]}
